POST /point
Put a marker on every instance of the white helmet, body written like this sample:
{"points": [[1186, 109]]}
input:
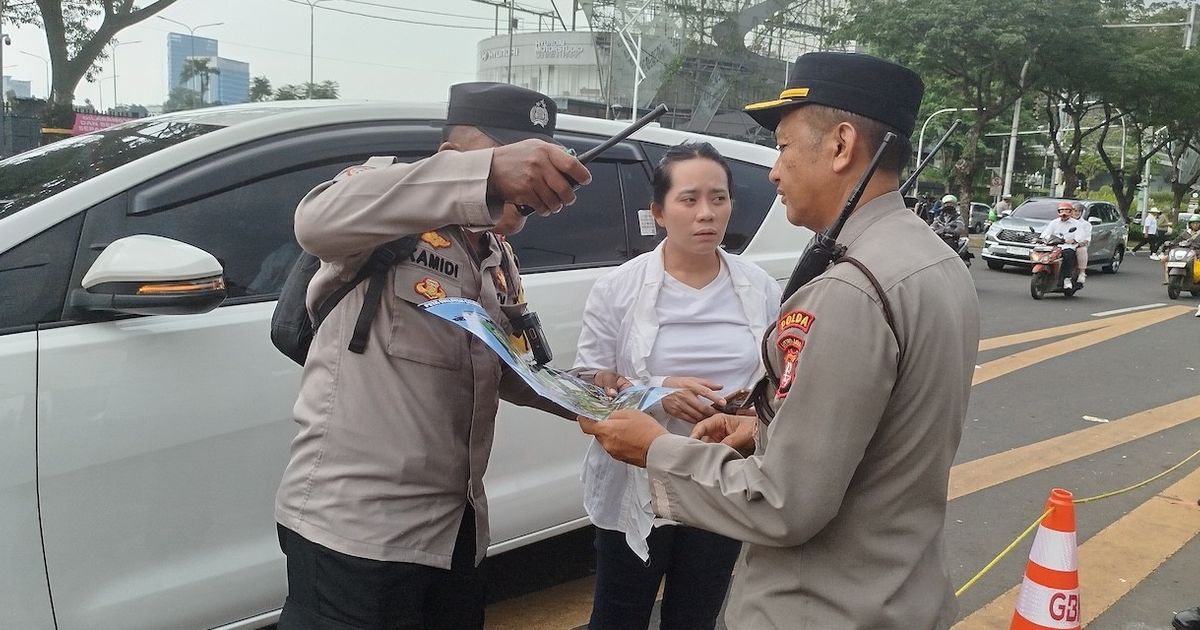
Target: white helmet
{"points": [[949, 199]]}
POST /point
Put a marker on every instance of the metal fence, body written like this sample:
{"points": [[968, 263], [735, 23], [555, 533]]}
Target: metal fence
{"points": [[22, 120]]}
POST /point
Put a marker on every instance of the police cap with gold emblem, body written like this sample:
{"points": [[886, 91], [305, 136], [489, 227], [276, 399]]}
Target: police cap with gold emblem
{"points": [[506, 113], [852, 82]]}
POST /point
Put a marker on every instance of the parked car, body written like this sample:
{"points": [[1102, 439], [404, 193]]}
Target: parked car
{"points": [[978, 220], [141, 449], [1010, 239]]}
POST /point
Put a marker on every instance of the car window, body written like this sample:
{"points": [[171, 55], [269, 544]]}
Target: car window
{"points": [[590, 233], [753, 195], [249, 229], [30, 177], [1044, 209], [635, 187], [34, 277]]}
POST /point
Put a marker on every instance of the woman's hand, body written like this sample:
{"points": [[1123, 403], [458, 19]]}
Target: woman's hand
{"points": [[611, 382], [737, 432], [688, 404]]}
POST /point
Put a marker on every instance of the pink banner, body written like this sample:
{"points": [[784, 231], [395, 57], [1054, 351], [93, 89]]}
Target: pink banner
{"points": [[85, 123]]}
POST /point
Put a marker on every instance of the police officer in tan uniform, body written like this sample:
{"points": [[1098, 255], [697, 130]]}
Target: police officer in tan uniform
{"points": [[381, 510], [840, 488]]}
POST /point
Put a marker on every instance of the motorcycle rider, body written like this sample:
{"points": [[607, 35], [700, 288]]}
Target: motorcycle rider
{"points": [[1083, 237], [947, 223], [1187, 238], [1065, 229]]}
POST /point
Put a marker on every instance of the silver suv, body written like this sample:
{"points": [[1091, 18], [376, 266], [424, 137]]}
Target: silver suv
{"points": [[1010, 239]]}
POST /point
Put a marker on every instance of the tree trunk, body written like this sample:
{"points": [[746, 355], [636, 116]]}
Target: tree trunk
{"points": [[1070, 182], [964, 168]]}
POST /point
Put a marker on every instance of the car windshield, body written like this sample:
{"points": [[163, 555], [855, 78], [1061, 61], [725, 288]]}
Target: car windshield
{"points": [[30, 177], [1043, 209]]}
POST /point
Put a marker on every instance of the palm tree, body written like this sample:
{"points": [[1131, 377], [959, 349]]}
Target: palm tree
{"points": [[201, 68]]}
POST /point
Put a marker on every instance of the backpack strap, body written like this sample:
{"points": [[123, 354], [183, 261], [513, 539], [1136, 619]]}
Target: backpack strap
{"points": [[376, 269]]}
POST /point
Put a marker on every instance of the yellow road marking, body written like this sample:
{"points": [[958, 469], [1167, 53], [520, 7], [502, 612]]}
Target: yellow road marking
{"points": [[1119, 557], [1044, 333], [1115, 327], [992, 470], [568, 605]]}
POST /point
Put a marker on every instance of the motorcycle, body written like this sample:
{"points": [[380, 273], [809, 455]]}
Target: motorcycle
{"points": [[1048, 275], [958, 244], [1182, 272]]}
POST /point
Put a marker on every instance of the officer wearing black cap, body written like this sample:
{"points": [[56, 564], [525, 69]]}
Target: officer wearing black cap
{"points": [[840, 491], [381, 509]]}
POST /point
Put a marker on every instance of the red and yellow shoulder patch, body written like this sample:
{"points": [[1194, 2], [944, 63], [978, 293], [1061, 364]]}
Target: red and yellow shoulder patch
{"points": [[796, 319], [793, 327]]}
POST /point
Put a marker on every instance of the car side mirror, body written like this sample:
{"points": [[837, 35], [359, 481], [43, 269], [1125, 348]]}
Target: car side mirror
{"points": [[151, 275], [1004, 213], [1094, 220]]}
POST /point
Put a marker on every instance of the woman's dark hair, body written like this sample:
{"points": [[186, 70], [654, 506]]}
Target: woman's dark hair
{"points": [[682, 152]]}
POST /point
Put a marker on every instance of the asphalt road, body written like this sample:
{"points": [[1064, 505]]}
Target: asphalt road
{"points": [[1083, 402]]}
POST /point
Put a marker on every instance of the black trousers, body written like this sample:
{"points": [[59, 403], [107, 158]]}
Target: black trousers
{"points": [[697, 565], [328, 590]]}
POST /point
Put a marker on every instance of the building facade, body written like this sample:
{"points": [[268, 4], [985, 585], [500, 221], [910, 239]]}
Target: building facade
{"points": [[233, 83], [180, 47], [19, 89]]}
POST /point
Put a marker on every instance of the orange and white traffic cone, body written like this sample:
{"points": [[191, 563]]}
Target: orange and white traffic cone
{"points": [[1049, 596]]}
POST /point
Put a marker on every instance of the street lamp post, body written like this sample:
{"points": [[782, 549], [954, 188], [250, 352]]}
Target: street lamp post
{"points": [[46, 63], [921, 136], [312, 41], [115, 44], [3, 98], [192, 33]]}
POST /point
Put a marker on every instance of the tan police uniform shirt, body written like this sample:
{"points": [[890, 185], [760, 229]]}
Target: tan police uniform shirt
{"points": [[843, 504], [394, 442]]}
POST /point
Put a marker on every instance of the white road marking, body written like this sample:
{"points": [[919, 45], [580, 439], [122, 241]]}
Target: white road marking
{"points": [[1127, 310], [1095, 419]]}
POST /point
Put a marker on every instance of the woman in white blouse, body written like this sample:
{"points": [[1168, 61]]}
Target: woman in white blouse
{"points": [[689, 316]]}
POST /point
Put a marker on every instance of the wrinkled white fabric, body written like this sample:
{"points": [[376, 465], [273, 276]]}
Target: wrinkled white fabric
{"points": [[647, 326]]}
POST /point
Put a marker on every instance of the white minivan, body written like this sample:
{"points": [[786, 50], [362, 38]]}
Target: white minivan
{"points": [[141, 440]]}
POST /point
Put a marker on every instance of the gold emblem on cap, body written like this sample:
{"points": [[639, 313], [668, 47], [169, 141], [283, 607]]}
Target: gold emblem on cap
{"points": [[785, 97], [539, 115]]}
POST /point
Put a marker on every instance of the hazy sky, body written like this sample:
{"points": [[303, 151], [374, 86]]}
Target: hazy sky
{"points": [[371, 58]]}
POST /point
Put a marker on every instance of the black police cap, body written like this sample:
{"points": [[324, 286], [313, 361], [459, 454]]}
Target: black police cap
{"points": [[506, 113], [852, 82]]}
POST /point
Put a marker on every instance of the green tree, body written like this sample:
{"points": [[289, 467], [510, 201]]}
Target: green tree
{"points": [[182, 98], [76, 43], [978, 47], [290, 92], [19, 13], [1069, 74], [322, 90], [1153, 82], [325, 90], [260, 89], [199, 68]]}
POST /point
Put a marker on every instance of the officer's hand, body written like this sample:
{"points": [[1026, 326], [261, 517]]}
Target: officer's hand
{"points": [[736, 431], [625, 434], [687, 404], [534, 173], [611, 382]]}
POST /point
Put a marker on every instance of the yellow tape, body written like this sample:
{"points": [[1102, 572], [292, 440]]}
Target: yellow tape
{"points": [[1041, 518]]}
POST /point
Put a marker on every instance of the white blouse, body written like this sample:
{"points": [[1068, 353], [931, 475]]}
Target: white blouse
{"points": [[647, 326]]}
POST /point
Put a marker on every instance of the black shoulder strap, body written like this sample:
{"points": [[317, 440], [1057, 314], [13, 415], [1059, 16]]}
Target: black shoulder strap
{"points": [[760, 394], [376, 268]]}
